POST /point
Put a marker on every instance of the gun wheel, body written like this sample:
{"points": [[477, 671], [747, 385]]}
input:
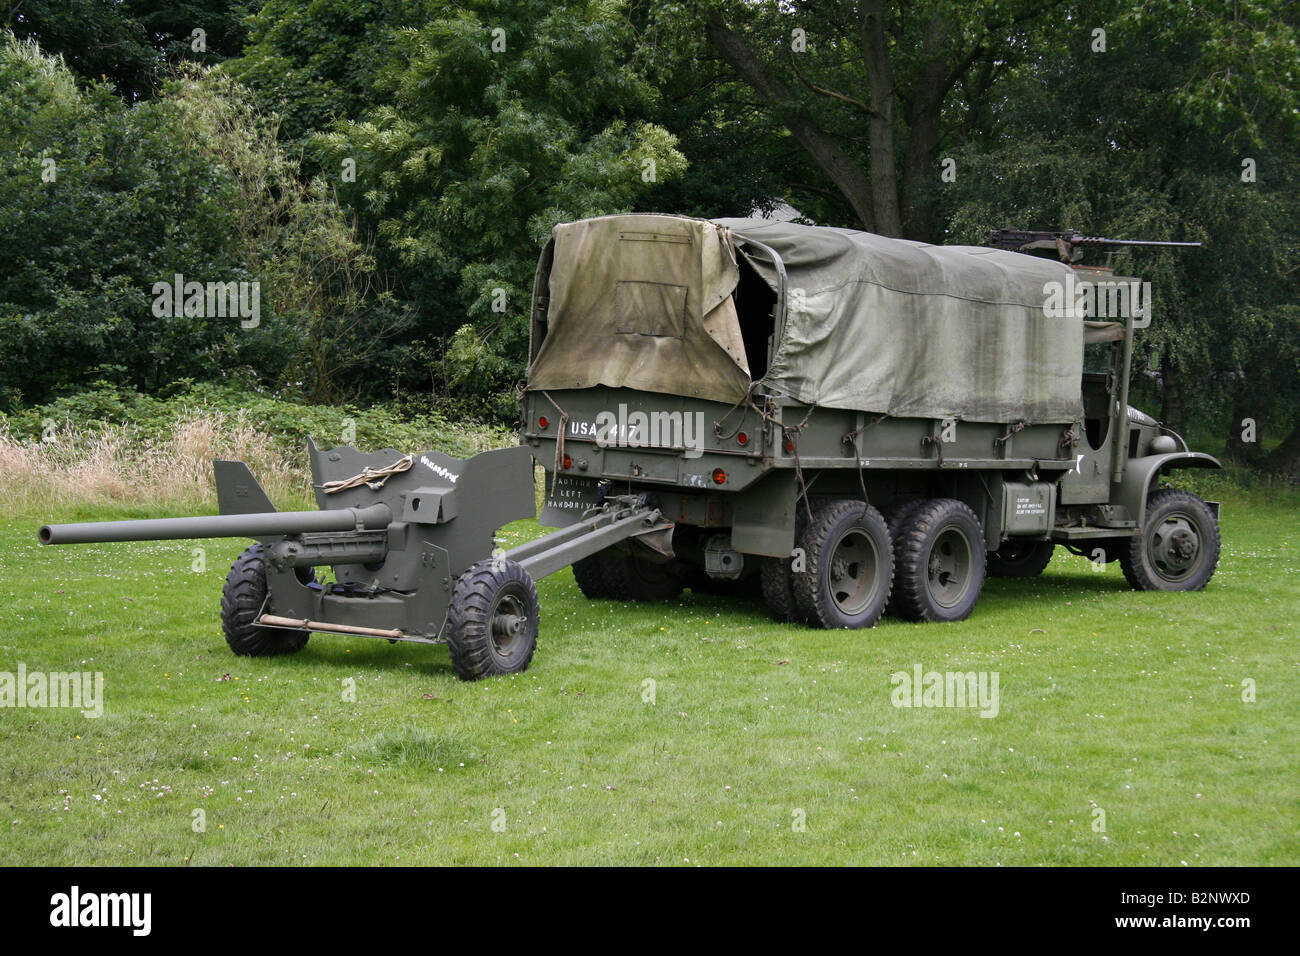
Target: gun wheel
{"points": [[242, 599], [492, 623]]}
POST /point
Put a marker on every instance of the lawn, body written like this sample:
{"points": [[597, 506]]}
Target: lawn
{"points": [[697, 732]]}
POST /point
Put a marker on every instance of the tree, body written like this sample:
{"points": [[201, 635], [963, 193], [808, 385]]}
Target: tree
{"points": [[506, 119], [871, 91]]}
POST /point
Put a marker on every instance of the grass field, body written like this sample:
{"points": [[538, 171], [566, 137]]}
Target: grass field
{"points": [[755, 743]]}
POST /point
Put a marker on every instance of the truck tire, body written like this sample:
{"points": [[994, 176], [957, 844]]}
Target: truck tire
{"points": [[592, 577], [1178, 548], [777, 578], [940, 559], [850, 566], [242, 598], [634, 578], [897, 514], [1020, 559], [492, 622], [778, 589]]}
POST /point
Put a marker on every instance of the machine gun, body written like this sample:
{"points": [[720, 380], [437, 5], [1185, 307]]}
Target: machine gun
{"points": [[410, 540], [1069, 244]]}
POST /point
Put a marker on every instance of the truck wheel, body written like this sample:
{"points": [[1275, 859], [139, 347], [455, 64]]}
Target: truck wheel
{"points": [[1020, 559], [898, 514], [778, 589], [941, 560], [777, 578], [492, 623], [1178, 548], [850, 566], [634, 578], [590, 573], [242, 599]]}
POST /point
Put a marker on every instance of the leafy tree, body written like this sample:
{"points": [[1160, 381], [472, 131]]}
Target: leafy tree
{"points": [[129, 43], [506, 119], [100, 200], [1140, 140]]}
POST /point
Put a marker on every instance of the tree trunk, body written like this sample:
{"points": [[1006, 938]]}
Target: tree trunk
{"points": [[1284, 460], [1173, 409], [851, 181], [880, 81], [1235, 447]]}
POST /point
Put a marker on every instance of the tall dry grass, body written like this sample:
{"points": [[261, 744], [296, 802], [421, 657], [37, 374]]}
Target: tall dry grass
{"points": [[116, 465]]}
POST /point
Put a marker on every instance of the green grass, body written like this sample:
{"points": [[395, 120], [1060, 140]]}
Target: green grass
{"points": [[1110, 699]]}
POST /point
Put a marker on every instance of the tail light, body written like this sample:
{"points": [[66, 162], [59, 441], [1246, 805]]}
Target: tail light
{"points": [[542, 422], [719, 476]]}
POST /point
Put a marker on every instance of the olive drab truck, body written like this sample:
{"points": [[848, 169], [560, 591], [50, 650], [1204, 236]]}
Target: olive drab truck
{"points": [[860, 423], [847, 424]]}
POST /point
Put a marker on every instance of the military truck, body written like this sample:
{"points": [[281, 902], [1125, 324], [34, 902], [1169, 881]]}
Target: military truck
{"points": [[848, 422]]}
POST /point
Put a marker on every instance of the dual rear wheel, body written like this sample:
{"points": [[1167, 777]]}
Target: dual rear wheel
{"points": [[851, 564]]}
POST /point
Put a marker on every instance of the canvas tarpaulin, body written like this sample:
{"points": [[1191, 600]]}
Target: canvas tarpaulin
{"points": [[916, 330], [643, 302], [872, 324]]}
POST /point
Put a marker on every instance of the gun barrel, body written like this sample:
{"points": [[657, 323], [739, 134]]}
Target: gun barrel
{"points": [[1099, 241], [219, 526]]}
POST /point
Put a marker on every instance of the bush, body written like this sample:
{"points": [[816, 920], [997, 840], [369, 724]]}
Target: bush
{"points": [[108, 444]]}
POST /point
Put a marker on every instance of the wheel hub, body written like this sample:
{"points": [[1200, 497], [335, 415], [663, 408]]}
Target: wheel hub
{"points": [[852, 572], [509, 622], [1175, 547], [949, 567]]}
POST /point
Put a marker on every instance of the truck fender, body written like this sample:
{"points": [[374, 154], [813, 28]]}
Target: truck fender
{"points": [[1141, 473]]}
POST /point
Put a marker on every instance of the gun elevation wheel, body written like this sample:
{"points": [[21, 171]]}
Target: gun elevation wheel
{"points": [[492, 623], [1178, 548], [242, 599], [941, 561], [1020, 559], [850, 566]]}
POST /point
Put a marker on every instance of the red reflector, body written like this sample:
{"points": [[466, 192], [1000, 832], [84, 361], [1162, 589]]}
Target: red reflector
{"points": [[542, 422], [743, 438], [789, 446], [719, 476], [568, 462]]}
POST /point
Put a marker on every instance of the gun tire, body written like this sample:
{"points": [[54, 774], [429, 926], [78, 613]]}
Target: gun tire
{"points": [[849, 569], [493, 619], [1020, 559], [940, 558], [1178, 548], [242, 600]]}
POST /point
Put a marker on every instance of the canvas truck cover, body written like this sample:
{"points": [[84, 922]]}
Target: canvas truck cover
{"points": [[872, 324], [916, 330], [643, 302]]}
